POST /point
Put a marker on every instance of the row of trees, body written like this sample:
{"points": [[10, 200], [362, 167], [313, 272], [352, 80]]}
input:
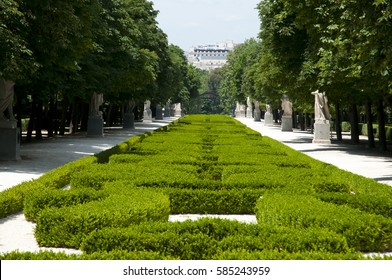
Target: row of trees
{"points": [[60, 52], [341, 47]]}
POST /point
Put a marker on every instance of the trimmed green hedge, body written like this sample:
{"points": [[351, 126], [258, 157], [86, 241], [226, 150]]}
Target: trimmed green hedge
{"points": [[39, 201], [207, 238], [205, 164], [363, 231], [388, 131], [12, 200], [68, 226]]}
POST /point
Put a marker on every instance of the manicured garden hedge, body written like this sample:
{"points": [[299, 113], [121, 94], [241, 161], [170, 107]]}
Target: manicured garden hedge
{"points": [[119, 200]]}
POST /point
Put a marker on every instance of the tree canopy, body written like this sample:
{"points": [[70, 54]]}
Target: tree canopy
{"points": [[340, 47], [64, 51]]}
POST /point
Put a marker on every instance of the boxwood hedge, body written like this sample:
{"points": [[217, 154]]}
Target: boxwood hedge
{"points": [[306, 209]]}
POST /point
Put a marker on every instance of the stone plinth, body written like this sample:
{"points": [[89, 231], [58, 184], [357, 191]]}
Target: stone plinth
{"points": [[322, 132], [147, 116], [95, 126], [287, 123], [129, 120], [10, 138], [268, 119]]}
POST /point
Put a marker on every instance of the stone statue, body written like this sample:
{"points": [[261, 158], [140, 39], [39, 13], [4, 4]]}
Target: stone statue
{"points": [[287, 106], [257, 111], [147, 113], [6, 99], [269, 108], [249, 111], [177, 110], [321, 110], [96, 102], [248, 102], [147, 105], [130, 106]]}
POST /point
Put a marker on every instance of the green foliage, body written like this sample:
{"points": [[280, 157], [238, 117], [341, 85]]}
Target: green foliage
{"points": [[68, 226], [363, 231], [113, 255], [203, 201], [37, 202], [119, 201], [211, 238], [346, 127], [12, 200]]}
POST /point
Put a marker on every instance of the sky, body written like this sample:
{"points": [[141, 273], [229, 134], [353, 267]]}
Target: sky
{"points": [[191, 23]]}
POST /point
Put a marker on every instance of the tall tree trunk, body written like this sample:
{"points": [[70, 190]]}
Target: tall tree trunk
{"points": [[84, 116], [369, 118], [30, 126], [354, 124], [73, 126], [301, 120], [39, 118], [52, 118], [381, 125], [18, 109], [63, 119], [109, 115], [338, 124]]}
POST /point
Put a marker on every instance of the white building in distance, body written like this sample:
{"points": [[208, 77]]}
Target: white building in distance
{"points": [[209, 57]]}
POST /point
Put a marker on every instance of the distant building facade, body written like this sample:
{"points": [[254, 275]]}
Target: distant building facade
{"points": [[209, 57]]}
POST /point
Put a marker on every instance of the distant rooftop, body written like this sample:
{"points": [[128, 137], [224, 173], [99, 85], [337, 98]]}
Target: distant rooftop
{"points": [[210, 56]]}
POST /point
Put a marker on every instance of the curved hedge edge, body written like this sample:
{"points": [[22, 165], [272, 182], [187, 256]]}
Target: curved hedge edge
{"points": [[114, 255], [364, 232], [210, 237], [12, 199], [103, 157], [68, 226]]}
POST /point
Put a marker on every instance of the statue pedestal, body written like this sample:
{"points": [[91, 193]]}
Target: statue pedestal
{"points": [[322, 132], [147, 116], [10, 138], [268, 119], [287, 123], [257, 115], [95, 126], [129, 120]]}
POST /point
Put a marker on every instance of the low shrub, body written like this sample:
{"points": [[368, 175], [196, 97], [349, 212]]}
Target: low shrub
{"points": [[103, 157], [113, 255], [346, 126], [203, 201], [242, 254], [209, 238], [12, 200], [380, 205], [68, 226], [38, 201], [363, 231]]}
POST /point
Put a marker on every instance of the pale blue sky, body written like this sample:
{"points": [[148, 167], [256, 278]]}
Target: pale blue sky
{"points": [[196, 22]]}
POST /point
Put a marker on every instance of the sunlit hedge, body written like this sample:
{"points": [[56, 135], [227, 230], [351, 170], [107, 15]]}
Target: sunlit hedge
{"points": [[119, 200]]}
